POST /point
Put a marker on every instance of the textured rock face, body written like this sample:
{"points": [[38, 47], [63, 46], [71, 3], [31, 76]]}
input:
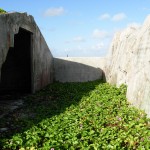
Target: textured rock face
{"points": [[130, 64]]}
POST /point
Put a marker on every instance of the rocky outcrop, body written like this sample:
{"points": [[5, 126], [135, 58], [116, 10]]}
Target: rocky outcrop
{"points": [[129, 63]]}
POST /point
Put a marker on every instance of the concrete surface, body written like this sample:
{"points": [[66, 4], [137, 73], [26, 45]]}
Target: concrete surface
{"points": [[75, 69], [25, 59]]}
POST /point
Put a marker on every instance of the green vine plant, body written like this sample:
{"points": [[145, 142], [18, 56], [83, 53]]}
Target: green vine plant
{"points": [[2, 11], [77, 116]]}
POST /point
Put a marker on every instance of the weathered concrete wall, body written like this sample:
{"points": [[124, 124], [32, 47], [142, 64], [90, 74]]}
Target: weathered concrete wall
{"points": [[41, 57], [130, 64], [75, 69]]}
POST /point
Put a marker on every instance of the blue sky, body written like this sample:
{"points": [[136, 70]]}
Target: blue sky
{"points": [[81, 27]]}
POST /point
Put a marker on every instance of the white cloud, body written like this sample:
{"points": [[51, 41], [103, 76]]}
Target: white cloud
{"points": [[104, 16], [67, 49], [119, 17], [146, 8], [98, 46], [134, 25], [99, 34], [78, 39], [54, 12], [116, 17]]}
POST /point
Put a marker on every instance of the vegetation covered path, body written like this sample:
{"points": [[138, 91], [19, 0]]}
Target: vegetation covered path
{"points": [[76, 116]]}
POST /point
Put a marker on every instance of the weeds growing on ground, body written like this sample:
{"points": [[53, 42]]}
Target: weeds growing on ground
{"points": [[79, 116], [2, 11]]}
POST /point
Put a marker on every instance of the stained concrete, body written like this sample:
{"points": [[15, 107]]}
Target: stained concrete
{"points": [[78, 69], [26, 63]]}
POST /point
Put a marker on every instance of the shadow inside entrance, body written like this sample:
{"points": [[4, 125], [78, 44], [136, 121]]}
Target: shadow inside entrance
{"points": [[16, 70]]}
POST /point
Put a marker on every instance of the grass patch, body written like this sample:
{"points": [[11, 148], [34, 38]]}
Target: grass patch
{"points": [[74, 116], [2, 11]]}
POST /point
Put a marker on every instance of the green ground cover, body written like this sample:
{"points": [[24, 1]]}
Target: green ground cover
{"points": [[2, 11], [78, 116]]}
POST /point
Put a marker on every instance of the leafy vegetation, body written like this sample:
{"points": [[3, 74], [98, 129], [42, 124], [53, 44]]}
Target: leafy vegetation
{"points": [[2, 11], [78, 116]]}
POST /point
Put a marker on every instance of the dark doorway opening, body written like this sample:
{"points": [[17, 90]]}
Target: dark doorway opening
{"points": [[16, 70]]}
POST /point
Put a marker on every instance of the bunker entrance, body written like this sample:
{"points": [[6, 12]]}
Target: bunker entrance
{"points": [[16, 70]]}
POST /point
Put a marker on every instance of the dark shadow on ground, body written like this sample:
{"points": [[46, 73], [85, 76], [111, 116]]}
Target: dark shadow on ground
{"points": [[52, 100]]}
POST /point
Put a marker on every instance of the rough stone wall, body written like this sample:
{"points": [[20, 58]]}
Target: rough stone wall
{"points": [[129, 63], [78, 69], [42, 59]]}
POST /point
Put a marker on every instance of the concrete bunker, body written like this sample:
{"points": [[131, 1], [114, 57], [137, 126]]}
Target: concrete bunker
{"points": [[16, 73]]}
